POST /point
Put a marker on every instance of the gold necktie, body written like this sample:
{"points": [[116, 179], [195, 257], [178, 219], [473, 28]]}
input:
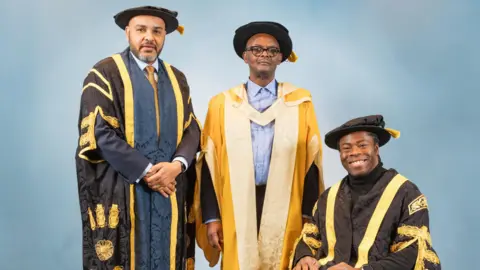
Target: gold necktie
{"points": [[151, 79]]}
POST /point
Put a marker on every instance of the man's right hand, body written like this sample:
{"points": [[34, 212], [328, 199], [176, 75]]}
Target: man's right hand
{"points": [[307, 263], [215, 234], [156, 182]]}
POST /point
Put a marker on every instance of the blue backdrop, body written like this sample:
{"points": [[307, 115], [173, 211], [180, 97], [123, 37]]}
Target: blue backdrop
{"points": [[415, 62]]}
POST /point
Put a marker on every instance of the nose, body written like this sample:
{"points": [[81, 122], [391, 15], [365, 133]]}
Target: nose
{"points": [[148, 36], [264, 54], [355, 151]]}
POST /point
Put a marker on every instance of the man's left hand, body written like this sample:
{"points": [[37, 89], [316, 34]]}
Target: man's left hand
{"points": [[164, 174], [342, 266]]}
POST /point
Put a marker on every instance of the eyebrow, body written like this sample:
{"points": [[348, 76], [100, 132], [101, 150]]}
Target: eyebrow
{"points": [[349, 143], [144, 26], [258, 45]]}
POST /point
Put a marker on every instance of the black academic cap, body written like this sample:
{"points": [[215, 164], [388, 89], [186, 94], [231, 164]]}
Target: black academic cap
{"points": [[278, 31], [168, 16], [372, 123]]}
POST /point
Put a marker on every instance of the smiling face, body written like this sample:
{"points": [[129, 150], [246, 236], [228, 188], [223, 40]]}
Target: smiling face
{"points": [[358, 153], [146, 36]]}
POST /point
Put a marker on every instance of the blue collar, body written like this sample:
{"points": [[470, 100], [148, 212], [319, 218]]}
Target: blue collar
{"points": [[253, 89]]}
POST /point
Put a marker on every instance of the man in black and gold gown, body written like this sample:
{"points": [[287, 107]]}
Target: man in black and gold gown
{"points": [[138, 139], [374, 218]]}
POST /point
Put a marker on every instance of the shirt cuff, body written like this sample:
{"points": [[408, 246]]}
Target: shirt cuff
{"points": [[144, 172], [183, 160], [211, 220]]}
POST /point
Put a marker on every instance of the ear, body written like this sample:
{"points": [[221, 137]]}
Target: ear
{"points": [[127, 33], [377, 149]]}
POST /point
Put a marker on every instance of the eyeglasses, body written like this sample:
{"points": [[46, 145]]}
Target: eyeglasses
{"points": [[258, 51]]}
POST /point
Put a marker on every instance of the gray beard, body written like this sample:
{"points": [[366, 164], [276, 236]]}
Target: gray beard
{"points": [[143, 58], [147, 59]]}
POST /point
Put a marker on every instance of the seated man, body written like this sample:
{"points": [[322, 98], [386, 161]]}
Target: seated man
{"points": [[374, 218]]}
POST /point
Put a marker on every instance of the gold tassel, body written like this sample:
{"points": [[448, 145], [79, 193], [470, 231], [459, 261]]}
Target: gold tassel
{"points": [[180, 29], [293, 57], [395, 133]]}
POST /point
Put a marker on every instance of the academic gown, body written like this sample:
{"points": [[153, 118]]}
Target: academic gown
{"points": [[260, 224], [380, 224], [125, 224]]}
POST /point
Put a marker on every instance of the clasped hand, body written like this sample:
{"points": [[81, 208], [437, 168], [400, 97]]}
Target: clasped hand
{"points": [[161, 177], [310, 263]]}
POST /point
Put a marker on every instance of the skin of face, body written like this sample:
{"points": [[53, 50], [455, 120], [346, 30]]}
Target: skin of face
{"points": [[146, 37], [358, 153], [262, 67]]}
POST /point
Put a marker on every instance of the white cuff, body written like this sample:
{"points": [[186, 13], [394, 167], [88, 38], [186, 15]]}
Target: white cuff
{"points": [[211, 220], [183, 160], [144, 172]]}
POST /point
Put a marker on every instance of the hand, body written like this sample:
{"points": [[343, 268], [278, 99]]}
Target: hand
{"points": [[163, 174], [342, 266], [307, 263], [168, 190], [215, 235]]}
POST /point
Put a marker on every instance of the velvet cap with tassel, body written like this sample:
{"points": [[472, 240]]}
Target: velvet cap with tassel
{"points": [[372, 123], [277, 30], [168, 16]]}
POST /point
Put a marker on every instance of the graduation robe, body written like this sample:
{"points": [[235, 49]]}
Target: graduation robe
{"points": [[226, 150], [387, 228], [125, 225]]}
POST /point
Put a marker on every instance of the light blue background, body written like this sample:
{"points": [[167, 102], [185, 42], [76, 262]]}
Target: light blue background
{"points": [[415, 62]]}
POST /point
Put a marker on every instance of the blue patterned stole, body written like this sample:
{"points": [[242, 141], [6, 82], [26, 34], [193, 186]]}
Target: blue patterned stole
{"points": [[153, 211]]}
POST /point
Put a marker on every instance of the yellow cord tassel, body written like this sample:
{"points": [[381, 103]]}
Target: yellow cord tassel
{"points": [[395, 133], [293, 57], [180, 29]]}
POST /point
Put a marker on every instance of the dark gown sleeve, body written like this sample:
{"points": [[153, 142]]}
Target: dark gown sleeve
{"points": [[310, 191], [412, 239], [127, 161], [190, 143], [191, 177], [101, 137], [103, 192], [310, 243], [208, 199]]}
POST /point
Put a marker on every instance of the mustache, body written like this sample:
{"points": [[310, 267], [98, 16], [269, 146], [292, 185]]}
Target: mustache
{"points": [[148, 44], [264, 60]]}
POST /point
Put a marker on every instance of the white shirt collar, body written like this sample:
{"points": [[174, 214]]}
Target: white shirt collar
{"points": [[142, 65]]}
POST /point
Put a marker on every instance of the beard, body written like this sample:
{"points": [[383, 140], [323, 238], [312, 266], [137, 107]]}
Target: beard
{"points": [[262, 74], [147, 58]]}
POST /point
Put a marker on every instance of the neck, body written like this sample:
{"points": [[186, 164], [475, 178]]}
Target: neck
{"points": [[261, 79], [368, 180]]}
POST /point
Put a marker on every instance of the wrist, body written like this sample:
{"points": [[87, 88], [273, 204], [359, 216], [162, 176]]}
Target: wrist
{"points": [[179, 166]]}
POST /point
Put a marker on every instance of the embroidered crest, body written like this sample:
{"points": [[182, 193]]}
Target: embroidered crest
{"points": [[418, 204], [104, 249]]}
